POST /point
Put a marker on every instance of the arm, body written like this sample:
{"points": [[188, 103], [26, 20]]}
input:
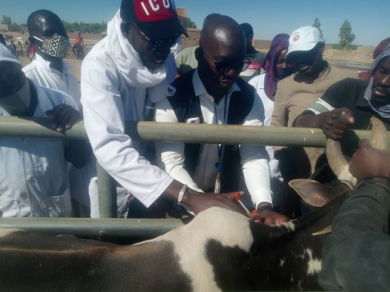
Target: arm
{"points": [[170, 156], [82, 41], [104, 122], [254, 160], [328, 112], [64, 116], [356, 256]]}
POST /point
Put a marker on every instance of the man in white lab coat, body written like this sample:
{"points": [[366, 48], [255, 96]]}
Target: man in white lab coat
{"points": [[34, 171], [52, 43], [121, 78]]}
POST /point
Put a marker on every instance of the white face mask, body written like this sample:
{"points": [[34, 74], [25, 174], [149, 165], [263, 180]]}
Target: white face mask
{"points": [[19, 101]]}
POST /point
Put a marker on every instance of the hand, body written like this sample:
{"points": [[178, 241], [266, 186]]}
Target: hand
{"points": [[369, 161], [336, 122], [199, 202], [63, 116], [269, 218]]}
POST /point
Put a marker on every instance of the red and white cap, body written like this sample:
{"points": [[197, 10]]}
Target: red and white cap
{"points": [[156, 18], [304, 39]]}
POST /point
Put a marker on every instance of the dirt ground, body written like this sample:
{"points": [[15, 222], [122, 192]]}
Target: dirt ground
{"points": [[76, 64]]}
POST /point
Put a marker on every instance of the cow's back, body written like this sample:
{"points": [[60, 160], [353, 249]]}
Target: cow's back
{"points": [[38, 262]]}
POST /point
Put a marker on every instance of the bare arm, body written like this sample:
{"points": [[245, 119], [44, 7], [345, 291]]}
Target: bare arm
{"points": [[309, 121]]}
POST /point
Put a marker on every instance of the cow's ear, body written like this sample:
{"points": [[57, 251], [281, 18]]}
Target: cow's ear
{"points": [[313, 193]]}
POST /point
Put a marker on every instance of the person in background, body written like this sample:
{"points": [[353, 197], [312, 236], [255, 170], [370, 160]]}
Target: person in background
{"points": [[78, 48], [366, 76], [203, 96], [351, 103], [121, 78], [356, 255], [49, 37], [12, 47], [294, 95], [186, 59], [31, 49], [254, 59], [176, 49], [33, 171], [2, 40], [276, 69]]}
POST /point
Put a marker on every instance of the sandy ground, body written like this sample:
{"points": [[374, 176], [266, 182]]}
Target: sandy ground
{"points": [[76, 64]]}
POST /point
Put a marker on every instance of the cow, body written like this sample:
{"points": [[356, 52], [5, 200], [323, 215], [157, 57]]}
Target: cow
{"points": [[217, 251]]}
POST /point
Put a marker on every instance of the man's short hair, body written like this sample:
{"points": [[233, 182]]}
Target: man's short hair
{"points": [[210, 16], [248, 29]]}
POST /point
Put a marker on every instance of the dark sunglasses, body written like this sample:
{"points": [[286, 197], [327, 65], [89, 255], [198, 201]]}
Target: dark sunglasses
{"points": [[155, 44], [224, 67]]}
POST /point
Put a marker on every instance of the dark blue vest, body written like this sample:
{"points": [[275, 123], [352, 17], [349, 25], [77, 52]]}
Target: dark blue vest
{"points": [[186, 105]]}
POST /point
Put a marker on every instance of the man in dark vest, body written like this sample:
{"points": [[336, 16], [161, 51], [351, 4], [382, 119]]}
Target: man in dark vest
{"points": [[214, 94]]}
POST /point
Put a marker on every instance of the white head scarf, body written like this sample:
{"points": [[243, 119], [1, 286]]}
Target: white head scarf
{"points": [[133, 71], [382, 110]]}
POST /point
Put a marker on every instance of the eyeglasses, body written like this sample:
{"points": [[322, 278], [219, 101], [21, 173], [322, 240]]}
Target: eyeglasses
{"points": [[224, 68], [156, 44]]}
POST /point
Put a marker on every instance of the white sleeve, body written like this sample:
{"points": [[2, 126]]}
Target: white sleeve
{"points": [[170, 156], [254, 81], [254, 160], [104, 123]]}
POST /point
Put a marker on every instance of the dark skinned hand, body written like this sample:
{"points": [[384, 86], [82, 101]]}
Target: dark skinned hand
{"points": [[199, 202], [336, 122], [63, 117], [369, 161]]}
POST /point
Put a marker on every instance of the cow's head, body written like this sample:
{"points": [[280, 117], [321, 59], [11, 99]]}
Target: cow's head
{"points": [[317, 195]]}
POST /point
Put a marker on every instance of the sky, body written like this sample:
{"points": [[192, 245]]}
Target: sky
{"points": [[370, 19]]}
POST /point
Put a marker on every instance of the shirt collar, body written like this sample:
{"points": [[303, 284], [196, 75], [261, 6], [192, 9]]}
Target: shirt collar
{"points": [[200, 89], [46, 64]]}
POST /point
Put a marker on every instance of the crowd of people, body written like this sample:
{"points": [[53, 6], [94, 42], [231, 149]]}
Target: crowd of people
{"points": [[137, 73]]}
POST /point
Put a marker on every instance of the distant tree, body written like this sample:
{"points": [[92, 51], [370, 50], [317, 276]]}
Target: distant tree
{"points": [[346, 35], [317, 24], [23, 25], [82, 27], [191, 24], [6, 20]]}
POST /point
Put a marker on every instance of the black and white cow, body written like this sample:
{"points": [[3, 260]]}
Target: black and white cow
{"points": [[218, 251]]}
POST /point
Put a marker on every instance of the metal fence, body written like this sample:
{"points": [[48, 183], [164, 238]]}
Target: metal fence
{"points": [[149, 131]]}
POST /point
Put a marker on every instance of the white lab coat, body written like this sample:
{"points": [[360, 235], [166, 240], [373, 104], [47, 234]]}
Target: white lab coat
{"points": [[41, 73], [108, 101], [276, 177], [33, 171]]}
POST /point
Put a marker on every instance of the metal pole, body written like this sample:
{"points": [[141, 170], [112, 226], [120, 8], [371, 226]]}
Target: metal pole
{"points": [[187, 133], [107, 194], [134, 228]]}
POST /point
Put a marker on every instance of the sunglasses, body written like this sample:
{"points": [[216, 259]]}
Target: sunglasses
{"points": [[156, 44], [225, 67]]}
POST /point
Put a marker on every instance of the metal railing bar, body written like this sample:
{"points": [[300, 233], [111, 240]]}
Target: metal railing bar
{"points": [[187, 133]]}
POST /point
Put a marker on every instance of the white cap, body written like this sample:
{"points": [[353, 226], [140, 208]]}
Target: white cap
{"points": [[304, 39], [6, 55]]}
